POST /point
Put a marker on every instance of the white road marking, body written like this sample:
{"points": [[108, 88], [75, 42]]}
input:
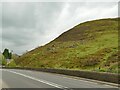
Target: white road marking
{"points": [[97, 82], [112, 85], [40, 80]]}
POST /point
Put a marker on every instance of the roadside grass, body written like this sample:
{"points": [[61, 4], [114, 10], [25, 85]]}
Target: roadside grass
{"points": [[11, 64]]}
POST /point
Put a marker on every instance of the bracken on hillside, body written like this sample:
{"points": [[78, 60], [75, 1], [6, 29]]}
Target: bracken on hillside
{"points": [[92, 45]]}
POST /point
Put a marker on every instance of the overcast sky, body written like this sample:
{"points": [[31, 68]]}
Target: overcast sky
{"points": [[27, 25]]}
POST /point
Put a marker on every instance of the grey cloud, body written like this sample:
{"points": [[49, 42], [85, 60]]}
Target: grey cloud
{"points": [[18, 36], [46, 13], [19, 15]]}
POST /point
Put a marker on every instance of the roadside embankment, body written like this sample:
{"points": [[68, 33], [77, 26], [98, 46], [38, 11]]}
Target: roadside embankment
{"points": [[101, 76]]}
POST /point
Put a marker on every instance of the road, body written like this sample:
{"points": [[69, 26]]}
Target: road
{"points": [[33, 79]]}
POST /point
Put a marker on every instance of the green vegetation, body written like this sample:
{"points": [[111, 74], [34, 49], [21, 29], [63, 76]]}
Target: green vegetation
{"points": [[12, 63], [92, 45], [2, 60], [6, 54], [8, 59]]}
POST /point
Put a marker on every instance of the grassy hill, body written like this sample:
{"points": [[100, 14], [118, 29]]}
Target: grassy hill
{"points": [[92, 45]]}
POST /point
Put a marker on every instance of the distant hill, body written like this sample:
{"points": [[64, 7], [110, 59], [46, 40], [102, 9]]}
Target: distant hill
{"points": [[91, 45]]}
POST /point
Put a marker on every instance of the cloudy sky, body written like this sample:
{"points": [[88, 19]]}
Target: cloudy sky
{"points": [[27, 25]]}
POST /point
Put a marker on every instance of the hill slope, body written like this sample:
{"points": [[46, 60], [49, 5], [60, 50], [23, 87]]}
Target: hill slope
{"points": [[89, 46]]}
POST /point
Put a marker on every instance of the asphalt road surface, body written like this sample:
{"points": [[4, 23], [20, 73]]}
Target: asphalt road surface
{"points": [[12, 78]]}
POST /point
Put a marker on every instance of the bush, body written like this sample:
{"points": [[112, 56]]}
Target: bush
{"points": [[12, 64]]}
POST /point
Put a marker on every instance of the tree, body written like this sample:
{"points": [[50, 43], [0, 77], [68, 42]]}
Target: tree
{"points": [[6, 54], [10, 55]]}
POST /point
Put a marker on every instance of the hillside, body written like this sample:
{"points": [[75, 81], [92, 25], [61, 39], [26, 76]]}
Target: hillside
{"points": [[91, 45]]}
